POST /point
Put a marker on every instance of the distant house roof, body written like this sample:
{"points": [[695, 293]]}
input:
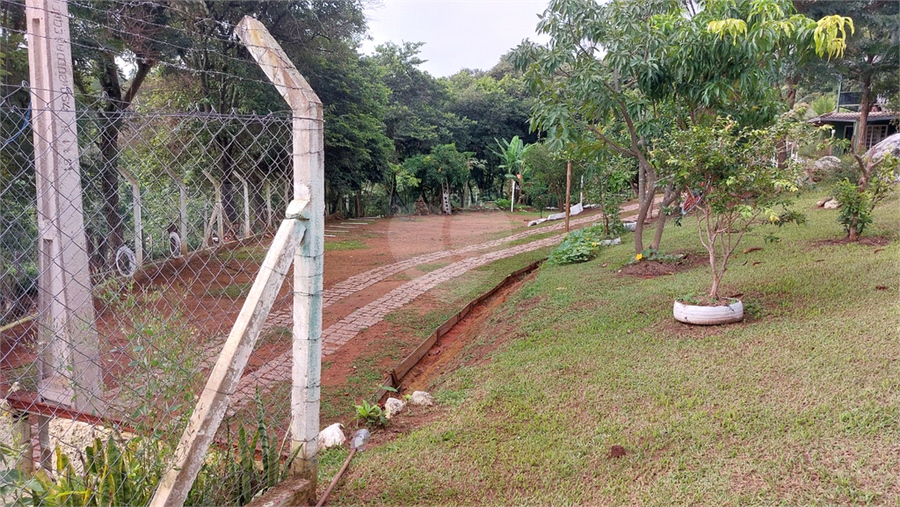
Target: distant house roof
{"points": [[853, 117]]}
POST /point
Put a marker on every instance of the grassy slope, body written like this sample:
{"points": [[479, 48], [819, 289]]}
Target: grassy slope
{"points": [[799, 405]]}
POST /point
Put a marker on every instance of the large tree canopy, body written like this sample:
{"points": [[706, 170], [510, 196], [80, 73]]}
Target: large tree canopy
{"points": [[625, 70]]}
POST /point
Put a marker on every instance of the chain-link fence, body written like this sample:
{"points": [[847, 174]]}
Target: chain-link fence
{"points": [[179, 208]]}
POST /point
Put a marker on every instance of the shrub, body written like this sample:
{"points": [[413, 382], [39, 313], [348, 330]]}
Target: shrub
{"points": [[578, 246]]}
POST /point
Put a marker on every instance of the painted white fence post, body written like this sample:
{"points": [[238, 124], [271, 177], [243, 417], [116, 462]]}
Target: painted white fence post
{"points": [[268, 185], [218, 214], [309, 180], [243, 181], [70, 365], [138, 223], [182, 209]]}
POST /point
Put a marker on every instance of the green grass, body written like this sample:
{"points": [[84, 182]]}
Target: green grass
{"points": [[427, 268], [254, 254], [232, 291], [797, 405], [347, 244]]}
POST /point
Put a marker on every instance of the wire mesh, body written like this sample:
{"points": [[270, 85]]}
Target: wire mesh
{"points": [[179, 206]]}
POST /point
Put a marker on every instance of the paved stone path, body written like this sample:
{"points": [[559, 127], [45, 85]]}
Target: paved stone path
{"points": [[333, 337]]}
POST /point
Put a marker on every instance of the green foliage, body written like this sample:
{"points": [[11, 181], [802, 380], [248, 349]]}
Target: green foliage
{"points": [[497, 105], [126, 471], [855, 207], [443, 168], [740, 179], [370, 414], [503, 203], [578, 246]]}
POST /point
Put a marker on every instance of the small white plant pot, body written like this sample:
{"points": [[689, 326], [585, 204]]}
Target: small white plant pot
{"points": [[708, 315]]}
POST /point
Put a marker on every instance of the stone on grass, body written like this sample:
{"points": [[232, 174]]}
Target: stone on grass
{"points": [[890, 144], [392, 407], [832, 204], [332, 436], [421, 398]]}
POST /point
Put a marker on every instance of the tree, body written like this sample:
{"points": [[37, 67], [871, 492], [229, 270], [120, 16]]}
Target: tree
{"points": [[511, 154], [493, 105], [627, 71], [871, 60], [103, 31], [414, 117], [443, 169], [740, 180]]}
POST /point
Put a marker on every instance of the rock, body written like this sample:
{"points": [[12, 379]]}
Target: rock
{"points": [[392, 407], [821, 202], [630, 226], [832, 204], [332, 436], [827, 163], [421, 398], [823, 168], [890, 144]]}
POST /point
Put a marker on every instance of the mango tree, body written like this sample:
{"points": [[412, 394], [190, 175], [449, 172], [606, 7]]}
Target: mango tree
{"points": [[628, 72]]}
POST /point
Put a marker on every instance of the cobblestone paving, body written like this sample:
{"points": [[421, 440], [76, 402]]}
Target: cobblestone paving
{"points": [[333, 337]]}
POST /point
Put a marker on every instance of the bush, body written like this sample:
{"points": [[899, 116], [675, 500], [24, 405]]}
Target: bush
{"points": [[578, 246], [503, 204], [855, 207]]}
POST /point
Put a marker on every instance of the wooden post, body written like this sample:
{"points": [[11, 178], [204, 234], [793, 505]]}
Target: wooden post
{"points": [[210, 409], [512, 195], [309, 180], [568, 192], [70, 366]]}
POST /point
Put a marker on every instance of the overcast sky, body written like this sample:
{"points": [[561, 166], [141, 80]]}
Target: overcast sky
{"points": [[457, 33]]}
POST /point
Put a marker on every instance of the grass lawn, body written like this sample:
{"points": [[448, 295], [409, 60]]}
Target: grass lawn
{"points": [[796, 405]]}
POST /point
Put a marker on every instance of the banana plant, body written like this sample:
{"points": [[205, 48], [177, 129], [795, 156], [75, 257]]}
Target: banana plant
{"points": [[512, 156]]}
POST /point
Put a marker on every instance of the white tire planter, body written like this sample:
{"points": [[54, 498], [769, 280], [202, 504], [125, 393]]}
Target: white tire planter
{"points": [[708, 315], [126, 264], [174, 245]]}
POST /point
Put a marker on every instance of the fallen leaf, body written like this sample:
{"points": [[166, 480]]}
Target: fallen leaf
{"points": [[753, 249], [757, 262]]}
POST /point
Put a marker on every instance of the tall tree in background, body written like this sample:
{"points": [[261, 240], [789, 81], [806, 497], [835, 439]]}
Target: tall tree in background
{"points": [[102, 32], [624, 71], [872, 58], [414, 118], [497, 106]]}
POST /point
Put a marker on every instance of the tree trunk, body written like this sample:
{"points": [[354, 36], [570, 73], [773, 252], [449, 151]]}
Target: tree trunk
{"points": [[865, 104], [568, 192], [109, 184], [790, 99], [111, 126], [853, 230], [668, 198], [646, 185]]}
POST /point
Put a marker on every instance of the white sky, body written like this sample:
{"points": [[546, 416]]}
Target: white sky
{"points": [[457, 33]]}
